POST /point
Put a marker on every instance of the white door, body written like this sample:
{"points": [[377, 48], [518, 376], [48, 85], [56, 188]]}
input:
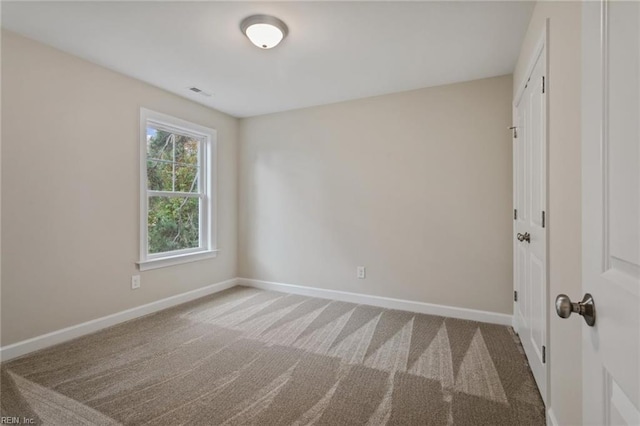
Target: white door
{"points": [[611, 211], [530, 270]]}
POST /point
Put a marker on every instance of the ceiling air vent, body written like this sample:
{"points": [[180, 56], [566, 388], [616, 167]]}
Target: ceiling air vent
{"points": [[199, 91]]}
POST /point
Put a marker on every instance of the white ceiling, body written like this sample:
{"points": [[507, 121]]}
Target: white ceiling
{"points": [[335, 51]]}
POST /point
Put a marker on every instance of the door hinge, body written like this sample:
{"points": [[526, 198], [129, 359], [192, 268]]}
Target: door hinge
{"points": [[543, 219], [515, 214], [515, 296], [543, 84], [544, 354]]}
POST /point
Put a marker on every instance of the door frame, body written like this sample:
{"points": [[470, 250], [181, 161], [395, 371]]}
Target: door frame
{"points": [[541, 50]]}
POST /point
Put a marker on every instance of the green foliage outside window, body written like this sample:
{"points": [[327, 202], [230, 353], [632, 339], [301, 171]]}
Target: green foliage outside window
{"points": [[172, 166]]}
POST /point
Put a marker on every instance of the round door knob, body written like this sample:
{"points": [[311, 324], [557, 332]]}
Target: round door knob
{"points": [[564, 306], [586, 308], [524, 237]]}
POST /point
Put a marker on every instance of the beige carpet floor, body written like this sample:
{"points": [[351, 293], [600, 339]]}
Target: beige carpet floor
{"points": [[253, 357]]}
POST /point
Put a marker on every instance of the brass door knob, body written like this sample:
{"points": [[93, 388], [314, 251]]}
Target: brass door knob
{"points": [[524, 237], [586, 308]]}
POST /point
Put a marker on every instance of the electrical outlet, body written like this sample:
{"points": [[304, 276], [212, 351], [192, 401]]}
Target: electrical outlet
{"points": [[361, 272], [135, 282]]}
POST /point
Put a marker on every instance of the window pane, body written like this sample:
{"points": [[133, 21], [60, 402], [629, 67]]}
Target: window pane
{"points": [[159, 144], [173, 223], [186, 179], [159, 175], [187, 150], [172, 161]]}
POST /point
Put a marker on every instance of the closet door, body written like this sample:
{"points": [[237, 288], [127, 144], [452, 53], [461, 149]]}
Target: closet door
{"points": [[530, 221]]}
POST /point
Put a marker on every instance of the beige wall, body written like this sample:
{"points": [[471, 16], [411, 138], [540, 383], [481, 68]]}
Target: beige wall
{"points": [[0, 192], [416, 186], [564, 194], [70, 191]]}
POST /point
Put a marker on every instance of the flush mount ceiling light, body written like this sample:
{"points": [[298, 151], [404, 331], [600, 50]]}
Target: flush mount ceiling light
{"points": [[264, 31]]}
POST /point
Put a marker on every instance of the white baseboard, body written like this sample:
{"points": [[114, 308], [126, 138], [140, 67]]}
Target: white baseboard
{"points": [[46, 340], [59, 336], [551, 418], [383, 302]]}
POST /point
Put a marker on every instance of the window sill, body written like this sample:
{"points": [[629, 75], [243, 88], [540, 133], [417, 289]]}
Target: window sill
{"points": [[176, 260]]}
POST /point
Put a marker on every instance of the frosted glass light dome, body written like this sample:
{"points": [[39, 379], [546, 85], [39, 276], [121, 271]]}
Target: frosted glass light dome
{"points": [[264, 31]]}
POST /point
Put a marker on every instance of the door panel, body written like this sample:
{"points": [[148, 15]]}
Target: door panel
{"points": [[537, 306], [520, 146], [619, 410], [611, 211], [537, 246], [623, 113], [537, 147], [520, 149], [522, 313]]}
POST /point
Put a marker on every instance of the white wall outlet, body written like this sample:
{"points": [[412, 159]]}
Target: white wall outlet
{"points": [[135, 282], [361, 273]]}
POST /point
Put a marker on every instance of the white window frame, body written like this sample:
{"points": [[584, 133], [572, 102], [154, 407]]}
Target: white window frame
{"points": [[207, 189]]}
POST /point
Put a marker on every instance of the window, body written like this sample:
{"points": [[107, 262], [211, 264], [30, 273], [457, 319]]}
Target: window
{"points": [[177, 189]]}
